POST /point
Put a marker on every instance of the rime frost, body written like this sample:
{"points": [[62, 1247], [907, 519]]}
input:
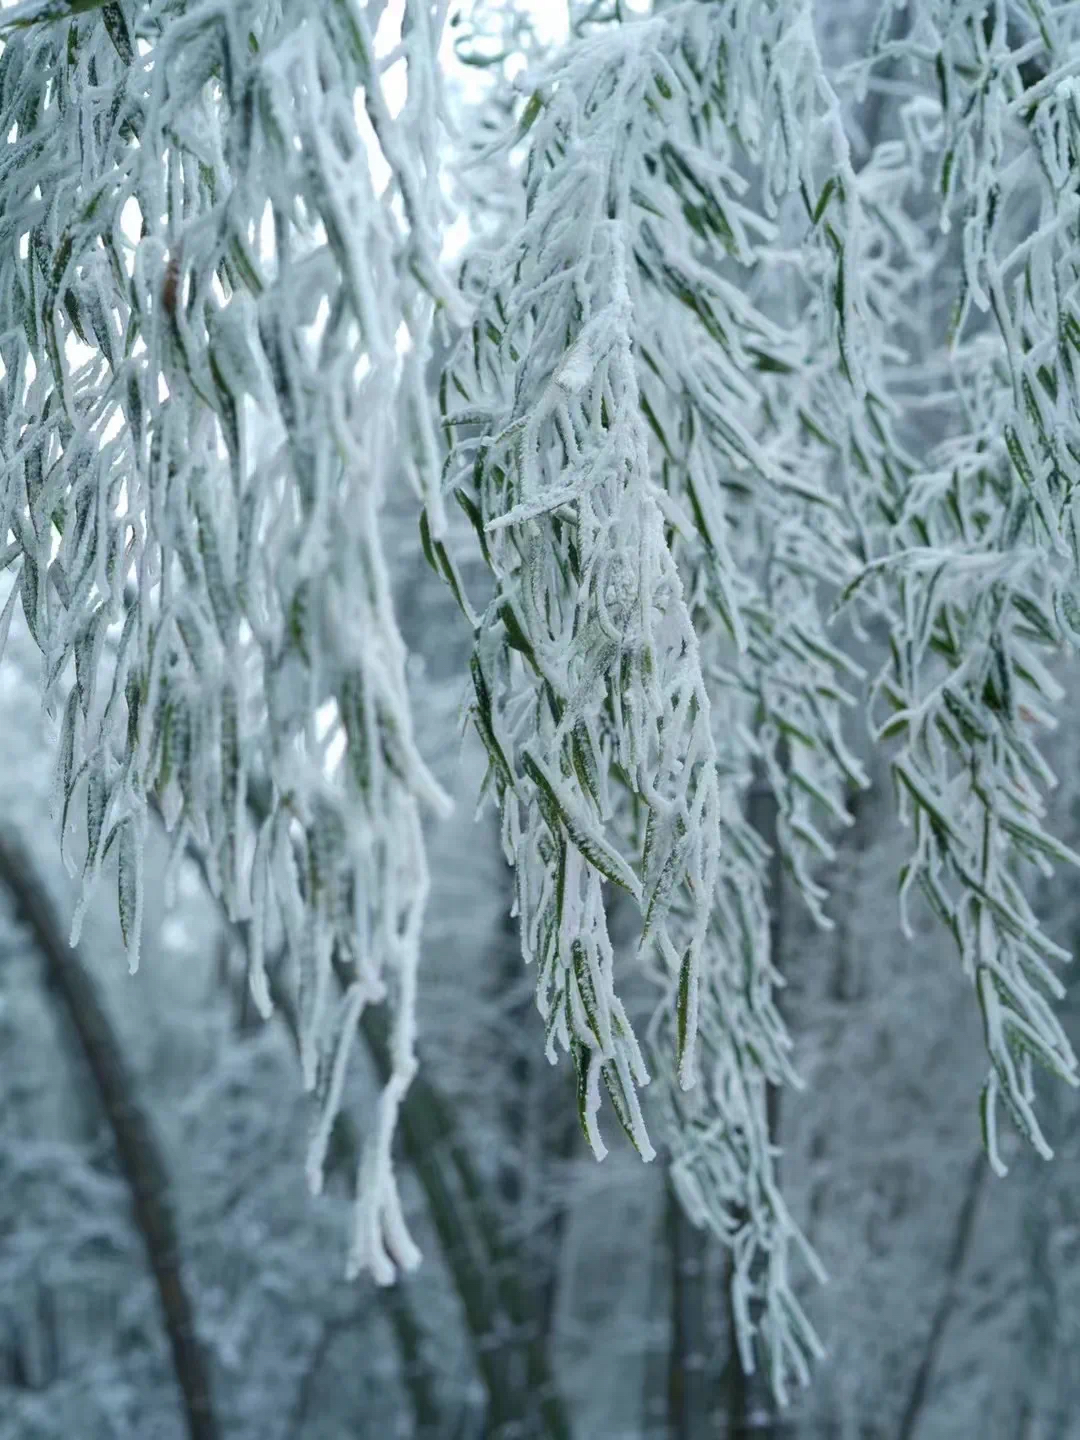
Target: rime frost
{"points": [[738, 344], [195, 508]]}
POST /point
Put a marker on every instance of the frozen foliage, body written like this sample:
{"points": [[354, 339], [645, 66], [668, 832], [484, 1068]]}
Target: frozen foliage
{"points": [[589, 674], [982, 545], [194, 507], [704, 388]]}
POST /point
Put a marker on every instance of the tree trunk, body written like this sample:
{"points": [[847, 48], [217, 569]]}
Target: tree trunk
{"points": [[958, 1252], [688, 1378], [752, 1407], [140, 1159]]}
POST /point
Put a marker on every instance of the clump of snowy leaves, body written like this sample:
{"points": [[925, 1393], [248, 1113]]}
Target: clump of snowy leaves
{"points": [[982, 548], [703, 388], [192, 491]]}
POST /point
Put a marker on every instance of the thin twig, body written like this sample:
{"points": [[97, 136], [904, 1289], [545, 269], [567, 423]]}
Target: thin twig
{"points": [[961, 1244]]}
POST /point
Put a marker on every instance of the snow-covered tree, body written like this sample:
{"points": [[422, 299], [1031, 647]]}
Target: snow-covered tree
{"points": [[758, 369]]}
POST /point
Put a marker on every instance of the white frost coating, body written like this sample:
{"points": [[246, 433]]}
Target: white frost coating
{"points": [[713, 384], [783, 404], [609, 648], [203, 568], [351, 1007], [982, 563]]}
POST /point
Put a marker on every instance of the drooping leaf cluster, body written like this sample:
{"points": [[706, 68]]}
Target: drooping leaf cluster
{"points": [[204, 285]]}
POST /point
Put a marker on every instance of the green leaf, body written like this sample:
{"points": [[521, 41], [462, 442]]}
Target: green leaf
{"points": [[1036, 617], [942, 79], [824, 198], [425, 541], [600, 855], [965, 715], [476, 520], [686, 1014], [515, 634], [946, 170], [96, 799], [130, 889], [654, 423], [584, 762], [1036, 839], [438, 558], [117, 28], [924, 799], [1069, 607], [619, 1102], [586, 990], [65, 762], [580, 1055], [484, 719], [670, 873], [1002, 674], [529, 114], [1018, 456]]}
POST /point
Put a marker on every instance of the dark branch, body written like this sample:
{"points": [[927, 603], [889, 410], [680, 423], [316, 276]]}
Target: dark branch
{"points": [[141, 1161], [961, 1244]]}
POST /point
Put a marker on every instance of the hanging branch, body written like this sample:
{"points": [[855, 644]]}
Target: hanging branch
{"points": [[141, 1161]]}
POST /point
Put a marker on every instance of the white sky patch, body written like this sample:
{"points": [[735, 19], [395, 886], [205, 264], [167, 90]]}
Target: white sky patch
{"points": [[131, 218], [455, 238], [388, 31], [130, 228], [335, 751], [113, 426], [551, 19], [514, 66], [324, 718], [395, 79], [267, 240], [317, 329], [77, 353], [395, 86]]}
